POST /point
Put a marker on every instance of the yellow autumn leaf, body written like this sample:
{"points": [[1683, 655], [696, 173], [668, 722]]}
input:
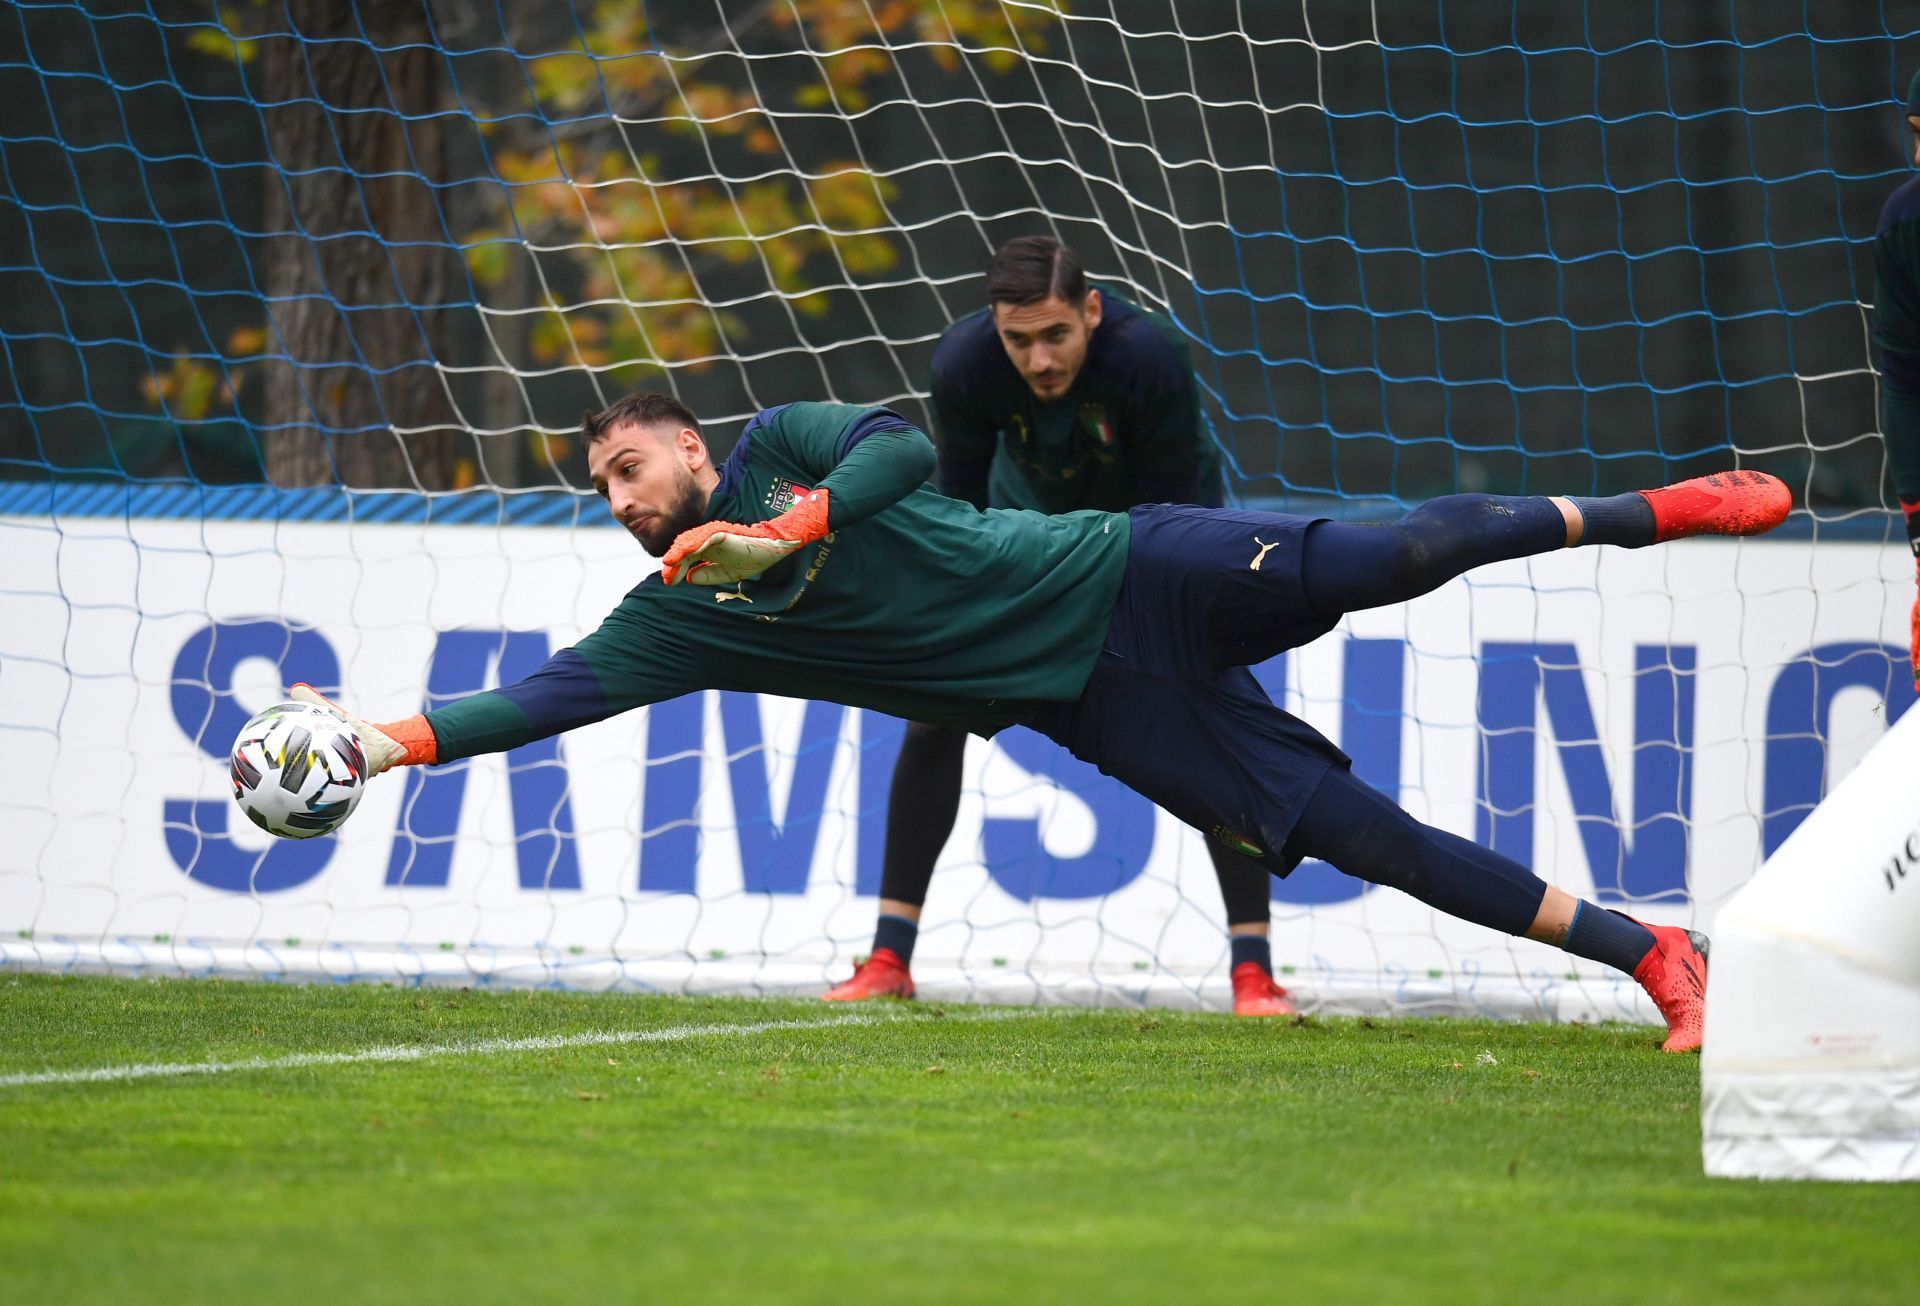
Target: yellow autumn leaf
{"points": [[217, 44], [243, 342]]}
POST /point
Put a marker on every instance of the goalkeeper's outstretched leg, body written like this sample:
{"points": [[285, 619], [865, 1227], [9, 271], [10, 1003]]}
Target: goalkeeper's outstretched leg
{"points": [[1172, 710], [1358, 830], [1209, 589], [1348, 567]]}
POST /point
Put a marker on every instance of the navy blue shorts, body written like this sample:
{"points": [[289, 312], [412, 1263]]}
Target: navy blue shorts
{"points": [[1207, 589], [1171, 710]]}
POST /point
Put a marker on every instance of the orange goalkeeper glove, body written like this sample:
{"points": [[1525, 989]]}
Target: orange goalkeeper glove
{"points": [[398, 743], [721, 553]]}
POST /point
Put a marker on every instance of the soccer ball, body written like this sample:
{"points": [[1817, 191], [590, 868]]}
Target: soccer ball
{"points": [[298, 770]]}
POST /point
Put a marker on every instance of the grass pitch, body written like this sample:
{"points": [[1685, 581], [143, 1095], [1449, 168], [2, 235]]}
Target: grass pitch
{"points": [[433, 1145]]}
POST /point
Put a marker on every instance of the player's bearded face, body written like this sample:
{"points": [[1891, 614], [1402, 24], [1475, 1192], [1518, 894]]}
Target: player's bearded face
{"points": [[648, 486], [1047, 340], [685, 508]]}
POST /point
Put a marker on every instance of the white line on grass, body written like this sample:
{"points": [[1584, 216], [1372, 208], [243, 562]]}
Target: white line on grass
{"points": [[403, 1052]]}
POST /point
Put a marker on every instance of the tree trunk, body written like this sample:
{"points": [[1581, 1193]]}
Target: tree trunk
{"points": [[358, 262]]}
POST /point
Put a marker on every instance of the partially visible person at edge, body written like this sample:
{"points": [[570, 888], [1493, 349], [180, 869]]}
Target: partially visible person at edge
{"points": [[1896, 330], [1057, 396]]}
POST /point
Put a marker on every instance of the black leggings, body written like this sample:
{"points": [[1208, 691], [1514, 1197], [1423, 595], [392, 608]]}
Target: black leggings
{"points": [[925, 800]]}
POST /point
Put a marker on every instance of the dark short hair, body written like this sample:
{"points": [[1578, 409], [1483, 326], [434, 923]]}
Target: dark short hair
{"points": [[1028, 269], [642, 408]]}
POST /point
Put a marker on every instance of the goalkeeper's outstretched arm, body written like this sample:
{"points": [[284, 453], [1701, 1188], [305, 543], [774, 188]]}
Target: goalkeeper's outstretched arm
{"points": [[562, 694], [569, 690]]}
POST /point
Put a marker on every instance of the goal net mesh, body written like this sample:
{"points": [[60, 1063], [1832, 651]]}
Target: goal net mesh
{"points": [[299, 309]]}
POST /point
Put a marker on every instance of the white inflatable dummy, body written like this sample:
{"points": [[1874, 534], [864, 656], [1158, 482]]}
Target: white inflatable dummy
{"points": [[1811, 1065]]}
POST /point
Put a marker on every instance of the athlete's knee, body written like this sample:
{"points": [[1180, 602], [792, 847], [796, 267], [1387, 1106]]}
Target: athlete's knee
{"points": [[1384, 851], [1356, 829], [1441, 538], [1403, 559], [1443, 526]]}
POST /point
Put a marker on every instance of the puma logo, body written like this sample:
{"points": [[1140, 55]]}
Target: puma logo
{"points": [[1261, 556], [721, 596]]}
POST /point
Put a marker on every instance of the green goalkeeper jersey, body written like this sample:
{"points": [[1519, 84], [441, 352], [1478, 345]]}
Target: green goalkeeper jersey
{"points": [[914, 604]]}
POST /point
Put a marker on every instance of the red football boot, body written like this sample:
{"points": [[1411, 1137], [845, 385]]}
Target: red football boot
{"points": [[883, 975], [1256, 994], [1674, 975], [1725, 503]]}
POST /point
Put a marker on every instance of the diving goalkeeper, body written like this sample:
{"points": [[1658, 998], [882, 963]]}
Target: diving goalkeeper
{"points": [[817, 563], [1057, 396]]}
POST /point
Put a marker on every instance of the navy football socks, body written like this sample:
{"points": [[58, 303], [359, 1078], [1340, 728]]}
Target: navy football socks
{"points": [[1622, 519], [1606, 936], [1253, 948], [897, 933]]}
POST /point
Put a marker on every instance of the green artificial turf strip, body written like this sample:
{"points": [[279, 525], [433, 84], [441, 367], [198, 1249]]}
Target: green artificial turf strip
{"points": [[926, 1154]]}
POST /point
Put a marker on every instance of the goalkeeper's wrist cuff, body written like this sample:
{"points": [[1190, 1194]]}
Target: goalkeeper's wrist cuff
{"points": [[807, 520], [416, 737]]}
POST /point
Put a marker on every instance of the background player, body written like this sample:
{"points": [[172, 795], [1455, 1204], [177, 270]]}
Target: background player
{"points": [[1057, 396], [818, 563], [1896, 330]]}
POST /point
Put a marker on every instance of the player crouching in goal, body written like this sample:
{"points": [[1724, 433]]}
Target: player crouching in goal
{"points": [[817, 563], [1058, 396]]}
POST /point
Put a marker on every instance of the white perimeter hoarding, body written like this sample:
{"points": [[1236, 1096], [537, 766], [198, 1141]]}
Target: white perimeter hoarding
{"points": [[1645, 724]]}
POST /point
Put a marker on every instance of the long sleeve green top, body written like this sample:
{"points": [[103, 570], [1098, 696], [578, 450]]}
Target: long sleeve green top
{"points": [[915, 604]]}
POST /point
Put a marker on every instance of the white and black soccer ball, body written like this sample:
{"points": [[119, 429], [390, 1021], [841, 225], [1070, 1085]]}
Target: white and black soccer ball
{"points": [[298, 770]]}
